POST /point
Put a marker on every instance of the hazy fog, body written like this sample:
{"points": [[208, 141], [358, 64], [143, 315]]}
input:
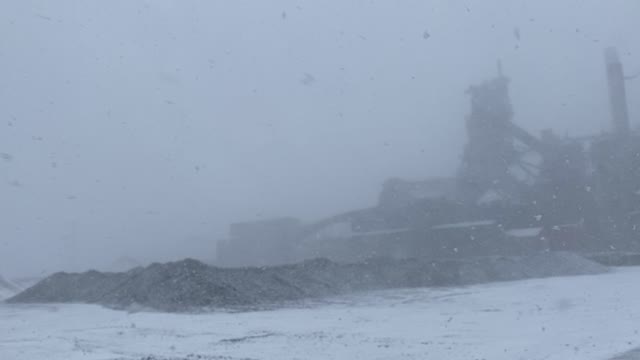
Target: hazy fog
{"points": [[142, 128]]}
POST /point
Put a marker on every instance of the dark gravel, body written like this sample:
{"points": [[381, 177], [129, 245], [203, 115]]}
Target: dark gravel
{"points": [[190, 285]]}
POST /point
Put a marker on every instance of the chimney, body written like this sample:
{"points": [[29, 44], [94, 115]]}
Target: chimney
{"points": [[617, 92]]}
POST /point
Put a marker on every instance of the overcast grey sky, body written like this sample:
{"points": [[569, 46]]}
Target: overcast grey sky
{"points": [[143, 128]]}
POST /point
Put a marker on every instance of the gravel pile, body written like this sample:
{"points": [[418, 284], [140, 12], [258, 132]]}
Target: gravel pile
{"points": [[190, 285]]}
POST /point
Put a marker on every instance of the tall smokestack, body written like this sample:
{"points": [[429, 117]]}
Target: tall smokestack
{"points": [[617, 92]]}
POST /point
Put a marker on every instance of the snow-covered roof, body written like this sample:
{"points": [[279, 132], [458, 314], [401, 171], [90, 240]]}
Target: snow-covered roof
{"points": [[490, 196], [382, 232], [524, 232], [464, 224], [337, 230]]}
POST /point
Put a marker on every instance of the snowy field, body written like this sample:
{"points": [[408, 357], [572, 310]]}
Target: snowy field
{"points": [[585, 317]]}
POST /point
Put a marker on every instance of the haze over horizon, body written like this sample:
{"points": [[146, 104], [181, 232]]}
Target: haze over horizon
{"points": [[143, 128]]}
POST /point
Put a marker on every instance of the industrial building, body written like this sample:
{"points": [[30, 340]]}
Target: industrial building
{"points": [[514, 193]]}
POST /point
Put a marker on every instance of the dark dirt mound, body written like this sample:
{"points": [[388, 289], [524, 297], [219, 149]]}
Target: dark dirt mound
{"points": [[190, 285]]}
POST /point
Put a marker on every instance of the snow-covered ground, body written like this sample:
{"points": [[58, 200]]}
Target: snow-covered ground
{"points": [[585, 317]]}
